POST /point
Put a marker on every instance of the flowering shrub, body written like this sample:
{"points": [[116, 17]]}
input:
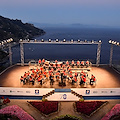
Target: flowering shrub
{"points": [[5, 100], [114, 111], [46, 107], [16, 111], [88, 108]]}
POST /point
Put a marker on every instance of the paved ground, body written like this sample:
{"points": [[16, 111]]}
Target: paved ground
{"points": [[106, 78], [65, 108]]}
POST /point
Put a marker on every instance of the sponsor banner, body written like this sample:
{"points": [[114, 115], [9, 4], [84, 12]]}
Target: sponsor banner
{"points": [[97, 91], [24, 91], [63, 96]]}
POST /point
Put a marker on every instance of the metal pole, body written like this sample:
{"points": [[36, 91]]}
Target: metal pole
{"points": [[10, 54], [98, 54], [111, 55], [22, 54]]}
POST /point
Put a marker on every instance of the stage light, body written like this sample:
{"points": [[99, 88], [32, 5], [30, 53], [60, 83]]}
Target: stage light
{"points": [[21, 40], [118, 43], [99, 41], [42, 40], [49, 40], [57, 40], [64, 40], [85, 40], [72, 40], [78, 40], [92, 41], [110, 41], [11, 39], [115, 42]]}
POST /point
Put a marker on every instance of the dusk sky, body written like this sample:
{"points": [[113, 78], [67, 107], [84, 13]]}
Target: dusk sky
{"points": [[98, 12]]}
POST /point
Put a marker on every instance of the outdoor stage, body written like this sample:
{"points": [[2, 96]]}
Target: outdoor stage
{"points": [[106, 78]]}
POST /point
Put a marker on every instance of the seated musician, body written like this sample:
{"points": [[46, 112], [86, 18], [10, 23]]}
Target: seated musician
{"points": [[22, 80], [72, 63], [87, 63], [92, 80], [82, 63], [83, 80], [78, 63]]}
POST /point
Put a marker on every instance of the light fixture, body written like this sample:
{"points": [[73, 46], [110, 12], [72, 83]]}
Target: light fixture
{"points": [[64, 40], [85, 40], [110, 41], [49, 40], [78, 40], [92, 41], [72, 40], [57, 40], [21, 40], [99, 41], [118, 43], [29, 40], [42, 40]]}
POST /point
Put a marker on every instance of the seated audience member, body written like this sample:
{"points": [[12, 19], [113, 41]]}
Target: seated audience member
{"points": [[92, 80]]}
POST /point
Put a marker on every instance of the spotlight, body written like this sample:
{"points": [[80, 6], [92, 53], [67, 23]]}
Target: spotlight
{"points": [[49, 40], [11, 39], [92, 41], [78, 40], [118, 43], [64, 40], [42, 40], [99, 41], [110, 41], [21, 40], [57, 40], [85, 40], [72, 40]]}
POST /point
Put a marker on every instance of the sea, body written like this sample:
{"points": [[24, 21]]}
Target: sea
{"points": [[72, 52]]}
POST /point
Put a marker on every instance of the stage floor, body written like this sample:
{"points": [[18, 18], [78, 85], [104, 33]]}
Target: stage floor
{"points": [[106, 78]]}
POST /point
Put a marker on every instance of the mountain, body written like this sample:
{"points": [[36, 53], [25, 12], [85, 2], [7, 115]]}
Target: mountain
{"points": [[15, 29]]}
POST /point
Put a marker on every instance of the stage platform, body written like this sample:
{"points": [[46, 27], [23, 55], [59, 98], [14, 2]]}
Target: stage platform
{"points": [[106, 78]]}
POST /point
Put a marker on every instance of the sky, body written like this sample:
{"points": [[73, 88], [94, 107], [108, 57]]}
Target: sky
{"points": [[91, 12]]}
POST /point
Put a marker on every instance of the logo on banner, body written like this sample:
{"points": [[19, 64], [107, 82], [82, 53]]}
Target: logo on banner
{"points": [[36, 91], [87, 91], [64, 96]]}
